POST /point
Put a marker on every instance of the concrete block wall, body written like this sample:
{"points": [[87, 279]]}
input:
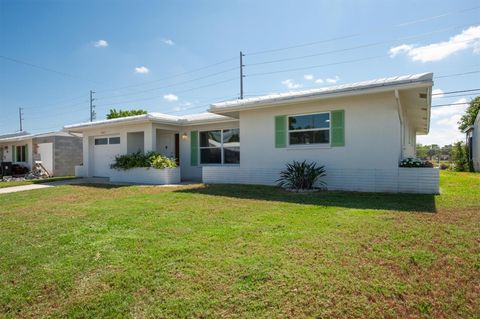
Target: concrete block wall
{"points": [[67, 153]]}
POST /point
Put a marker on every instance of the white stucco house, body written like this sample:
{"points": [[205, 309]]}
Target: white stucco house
{"points": [[58, 152], [473, 143], [359, 131]]}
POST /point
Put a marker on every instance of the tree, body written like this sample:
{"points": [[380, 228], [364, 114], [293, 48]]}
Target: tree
{"points": [[470, 114], [433, 150], [460, 157], [422, 151], [113, 114]]}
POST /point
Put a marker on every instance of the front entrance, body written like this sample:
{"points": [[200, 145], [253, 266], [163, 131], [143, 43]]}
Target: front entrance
{"points": [[177, 148]]}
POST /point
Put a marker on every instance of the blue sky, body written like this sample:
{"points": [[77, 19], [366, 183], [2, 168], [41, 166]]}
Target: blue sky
{"points": [[133, 53]]}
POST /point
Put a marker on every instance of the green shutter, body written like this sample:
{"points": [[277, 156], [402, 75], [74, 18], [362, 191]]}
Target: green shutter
{"points": [[14, 159], [338, 128], [194, 148], [26, 153], [280, 131]]}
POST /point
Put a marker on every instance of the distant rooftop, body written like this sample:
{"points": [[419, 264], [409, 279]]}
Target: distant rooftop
{"points": [[20, 136]]}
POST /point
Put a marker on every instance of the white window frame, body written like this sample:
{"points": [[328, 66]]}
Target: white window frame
{"points": [[107, 137], [221, 147], [24, 147], [310, 129]]}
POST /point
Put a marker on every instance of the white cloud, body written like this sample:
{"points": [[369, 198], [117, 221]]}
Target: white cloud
{"points": [[319, 81], [183, 106], [168, 42], [467, 39], [100, 44], [444, 124], [308, 77], [291, 84], [170, 97], [332, 80], [437, 93], [142, 70]]}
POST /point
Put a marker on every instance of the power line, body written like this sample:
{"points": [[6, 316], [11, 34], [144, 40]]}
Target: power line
{"points": [[171, 85], [171, 76], [456, 74], [318, 66], [359, 46], [375, 30], [449, 104], [188, 90], [45, 68], [453, 92]]}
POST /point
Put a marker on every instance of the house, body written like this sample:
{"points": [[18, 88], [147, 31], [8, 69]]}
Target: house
{"points": [[359, 131], [58, 152], [473, 143]]}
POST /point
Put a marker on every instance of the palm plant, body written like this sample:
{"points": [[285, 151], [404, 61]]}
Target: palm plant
{"points": [[301, 175]]}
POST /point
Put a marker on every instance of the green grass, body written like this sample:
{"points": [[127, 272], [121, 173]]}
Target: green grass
{"points": [[34, 181], [240, 252]]}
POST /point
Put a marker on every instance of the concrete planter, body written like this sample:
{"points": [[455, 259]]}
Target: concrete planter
{"points": [[395, 180], [144, 175], [79, 172]]}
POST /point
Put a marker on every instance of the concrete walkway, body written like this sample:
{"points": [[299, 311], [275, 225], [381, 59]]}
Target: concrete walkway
{"points": [[29, 187], [88, 180]]}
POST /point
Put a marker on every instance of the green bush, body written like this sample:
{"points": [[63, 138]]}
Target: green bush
{"points": [[301, 175], [139, 159], [460, 157]]}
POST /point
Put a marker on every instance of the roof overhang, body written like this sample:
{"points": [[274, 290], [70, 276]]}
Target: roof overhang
{"points": [[156, 118], [232, 108]]}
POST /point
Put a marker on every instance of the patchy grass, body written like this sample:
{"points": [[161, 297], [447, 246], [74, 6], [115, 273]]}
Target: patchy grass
{"points": [[4, 184], [240, 252]]}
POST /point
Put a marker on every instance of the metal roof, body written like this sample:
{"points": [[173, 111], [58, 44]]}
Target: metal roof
{"points": [[356, 88], [191, 119]]}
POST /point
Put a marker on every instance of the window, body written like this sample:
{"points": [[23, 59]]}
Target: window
{"points": [[21, 153], [309, 129], [101, 141], [220, 146], [114, 140], [107, 140]]}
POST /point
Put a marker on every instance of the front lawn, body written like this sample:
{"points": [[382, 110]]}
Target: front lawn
{"points": [[240, 252]]}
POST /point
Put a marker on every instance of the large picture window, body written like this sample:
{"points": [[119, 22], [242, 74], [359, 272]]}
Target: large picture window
{"points": [[21, 153], [220, 146], [309, 129]]}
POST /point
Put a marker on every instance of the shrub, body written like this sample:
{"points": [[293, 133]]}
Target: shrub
{"points": [[160, 161], [444, 166], [138, 159], [301, 175], [415, 162]]}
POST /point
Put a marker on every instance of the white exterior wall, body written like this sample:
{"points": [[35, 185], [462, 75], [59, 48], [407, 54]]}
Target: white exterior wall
{"points": [[476, 144], [372, 135]]}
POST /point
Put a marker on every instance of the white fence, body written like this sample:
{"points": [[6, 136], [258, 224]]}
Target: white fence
{"points": [[397, 180]]}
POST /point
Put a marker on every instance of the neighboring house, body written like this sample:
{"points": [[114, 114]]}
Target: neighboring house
{"points": [[359, 131], [59, 152], [473, 143]]}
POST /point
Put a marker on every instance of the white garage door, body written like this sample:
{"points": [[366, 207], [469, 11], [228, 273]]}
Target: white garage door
{"points": [[104, 151]]}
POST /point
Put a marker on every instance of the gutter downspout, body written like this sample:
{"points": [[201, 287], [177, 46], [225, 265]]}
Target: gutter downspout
{"points": [[400, 117]]}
